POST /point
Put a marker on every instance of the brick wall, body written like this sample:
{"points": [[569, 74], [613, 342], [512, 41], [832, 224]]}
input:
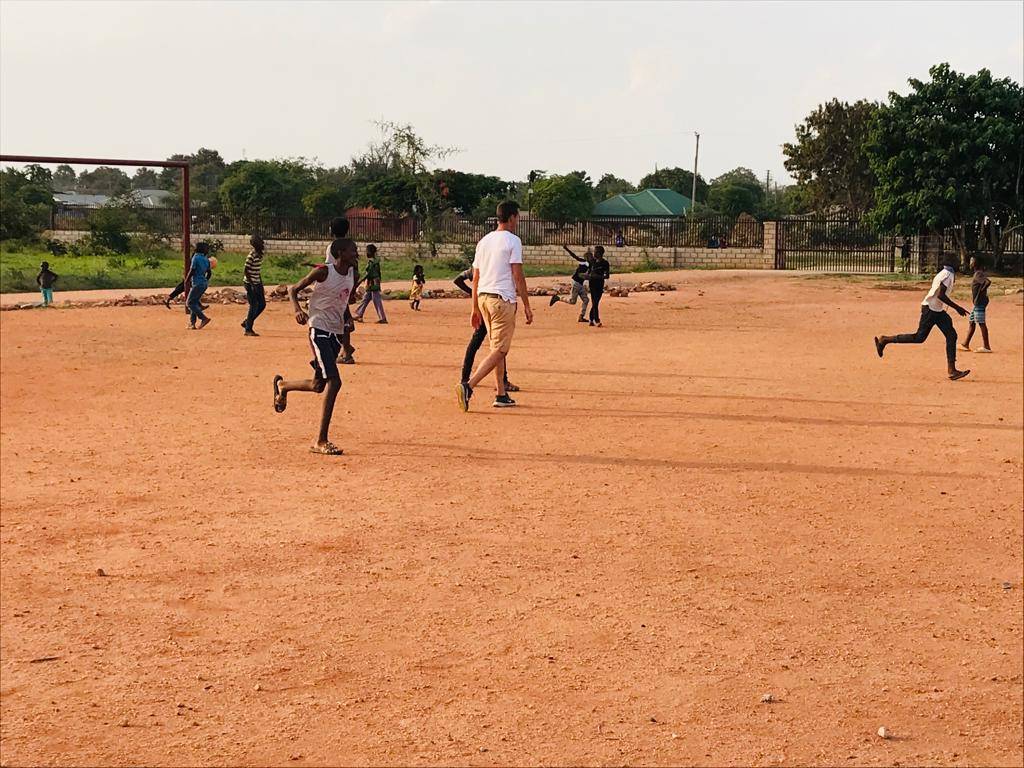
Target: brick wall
{"points": [[620, 258]]}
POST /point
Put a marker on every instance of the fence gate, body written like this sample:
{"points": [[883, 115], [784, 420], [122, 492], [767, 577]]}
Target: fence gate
{"points": [[839, 245]]}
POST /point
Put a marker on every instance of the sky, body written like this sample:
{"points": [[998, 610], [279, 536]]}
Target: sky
{"points": [[606, 87]]}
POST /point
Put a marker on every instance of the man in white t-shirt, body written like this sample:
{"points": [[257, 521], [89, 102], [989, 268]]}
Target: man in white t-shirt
{"points": [[498, 281], [933, 314]]}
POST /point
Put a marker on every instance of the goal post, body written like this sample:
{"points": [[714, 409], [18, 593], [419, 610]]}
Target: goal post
{"points": [[186, 206]]}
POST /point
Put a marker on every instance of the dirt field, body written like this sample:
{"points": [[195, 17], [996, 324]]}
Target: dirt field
{"points": [[722, 494]]}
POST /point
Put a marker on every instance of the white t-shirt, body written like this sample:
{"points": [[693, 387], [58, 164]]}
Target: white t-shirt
{"points": [[495, 254], [946, 278]]}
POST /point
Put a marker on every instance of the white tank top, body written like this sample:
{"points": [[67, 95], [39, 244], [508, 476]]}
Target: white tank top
{"points": [[329, 299]]}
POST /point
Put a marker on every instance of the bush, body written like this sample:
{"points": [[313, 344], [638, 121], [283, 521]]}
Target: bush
{"points": [[216, 246], [151, 261], [109, 227], [289, 261], [57, 247], [117, 261]]}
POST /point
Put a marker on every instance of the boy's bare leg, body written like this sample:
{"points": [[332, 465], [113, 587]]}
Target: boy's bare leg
{"points": [[330, 396], [984, 334], [298, 385], [491, 363], [970, 335]]}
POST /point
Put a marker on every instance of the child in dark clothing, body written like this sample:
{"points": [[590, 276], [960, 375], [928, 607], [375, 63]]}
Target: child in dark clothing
{"points": [[45, 280], [979, 293]]}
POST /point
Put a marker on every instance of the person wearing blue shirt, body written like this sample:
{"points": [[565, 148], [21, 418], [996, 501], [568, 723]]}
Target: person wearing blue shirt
{"points": [[198, 272]]}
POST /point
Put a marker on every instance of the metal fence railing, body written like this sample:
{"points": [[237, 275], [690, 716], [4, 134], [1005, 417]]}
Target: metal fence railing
{"points": [[694, 232]]}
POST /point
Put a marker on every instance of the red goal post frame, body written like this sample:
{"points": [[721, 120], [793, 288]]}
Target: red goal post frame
{"points": [[186, 212]]}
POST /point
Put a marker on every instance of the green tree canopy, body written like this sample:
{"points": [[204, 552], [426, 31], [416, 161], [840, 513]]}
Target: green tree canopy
{"points": [[678, 179], [950, 153], [610, 185], [104, 181], [206, 171], [146, 178], [24, 203], [829, 158], [735, 192], [562, 198], [463, 192], [261, 187], [64, 178]]}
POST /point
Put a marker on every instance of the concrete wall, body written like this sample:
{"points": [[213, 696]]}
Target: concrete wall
{"points": [[620, 258]]}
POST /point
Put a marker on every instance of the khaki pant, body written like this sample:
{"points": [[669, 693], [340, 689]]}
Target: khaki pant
{"points": [[500, 318]]}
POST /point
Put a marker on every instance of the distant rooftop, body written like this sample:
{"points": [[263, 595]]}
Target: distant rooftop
{"points": [[147, 198], [646, 202]]}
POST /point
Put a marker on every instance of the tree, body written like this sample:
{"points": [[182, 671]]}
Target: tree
{"points": [[562, 198], [610, 185], [24, 204], [331, 194], [463, 192], [64, 178], [829, 157], [145, 178], [267, 187], [104, 181], [206, 172], [950, 154], [393, 195], [678, 179], [735, 192]]}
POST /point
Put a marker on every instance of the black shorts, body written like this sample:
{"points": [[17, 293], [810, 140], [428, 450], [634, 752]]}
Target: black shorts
{"points": [[326, 347]]}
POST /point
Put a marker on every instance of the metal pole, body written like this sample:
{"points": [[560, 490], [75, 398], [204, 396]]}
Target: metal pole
{"points": [[693, 189], [186, 220]]}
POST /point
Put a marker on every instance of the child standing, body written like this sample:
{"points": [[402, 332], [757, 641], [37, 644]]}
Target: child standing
{"points": [[416, 294], [600, 270], [45, 280], [979, 293], [332, 286], [199, 273], [253, 279]]}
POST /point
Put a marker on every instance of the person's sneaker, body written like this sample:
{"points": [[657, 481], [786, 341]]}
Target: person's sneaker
{"points": [[554, 300], [382, 322], [963, 348], [504, 401], [464, 392], [511, 387], [204, 323], [347, 360], [985, 351], [958, 374], [167, 303], [581, 319], [592, 322], [250, 333], [358, 318]]}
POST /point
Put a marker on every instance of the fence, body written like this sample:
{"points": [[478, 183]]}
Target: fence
{"points": [[694, 232], [841, 245]]}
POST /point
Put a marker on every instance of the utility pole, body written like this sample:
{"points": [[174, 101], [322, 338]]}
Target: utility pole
{"points": [[693, 189]]}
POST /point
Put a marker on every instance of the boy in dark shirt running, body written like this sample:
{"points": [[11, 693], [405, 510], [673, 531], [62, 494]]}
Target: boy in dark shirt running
{"points": [[373, 278], [979, 294], [579, 284], [45, 280], [463, 281]]}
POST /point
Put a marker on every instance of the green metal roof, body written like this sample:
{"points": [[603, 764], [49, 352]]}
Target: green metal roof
{"points": [[647, 202]]}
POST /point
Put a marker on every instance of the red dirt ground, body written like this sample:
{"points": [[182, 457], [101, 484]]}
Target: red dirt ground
{"points": [[722, 494]]}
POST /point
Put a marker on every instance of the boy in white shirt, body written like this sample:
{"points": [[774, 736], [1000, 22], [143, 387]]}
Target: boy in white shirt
{"points": [[498, 281], [933, 314]]}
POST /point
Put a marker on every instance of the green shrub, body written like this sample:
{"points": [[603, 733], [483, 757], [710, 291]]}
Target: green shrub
{"points": [[57, 247], [289, 261], [216, 246], [117, 261], [109, 227], [151, 260]]}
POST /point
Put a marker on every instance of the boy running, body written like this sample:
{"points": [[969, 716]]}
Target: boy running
{"points": [[332, 285], [498, 281], [579, 285], [933, 314], [979, 293], [199, 274], [45, 280]]}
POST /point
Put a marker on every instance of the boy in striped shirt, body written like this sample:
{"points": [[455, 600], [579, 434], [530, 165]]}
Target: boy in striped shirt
{"points": [[253, 280]]}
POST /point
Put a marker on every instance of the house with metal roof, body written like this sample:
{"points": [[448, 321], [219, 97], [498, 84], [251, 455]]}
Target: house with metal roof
{"points": [[646, 203], [147, 198]]}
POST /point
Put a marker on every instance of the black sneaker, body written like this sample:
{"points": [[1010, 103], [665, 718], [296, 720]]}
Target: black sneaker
{"points": [[554, 300], [347, 360], [582, 319], [504, 401], [464, 392], [511, 387]]}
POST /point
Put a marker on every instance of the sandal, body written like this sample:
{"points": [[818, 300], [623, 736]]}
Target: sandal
{"points": [[280, 399], [327, 449]]}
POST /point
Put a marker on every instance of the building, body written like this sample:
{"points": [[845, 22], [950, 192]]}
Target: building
{"points": [[646, 203], [147, 198]]}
